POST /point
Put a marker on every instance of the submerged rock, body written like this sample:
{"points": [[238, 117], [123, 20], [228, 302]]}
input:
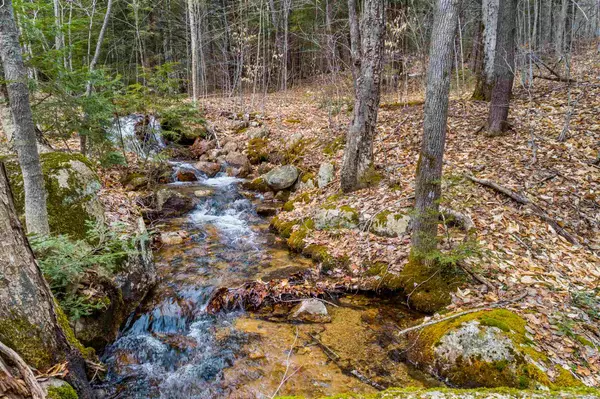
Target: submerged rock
{"points": [[310, 311], [281, 177], [172, 237], [485, 349], [72, 192], [210, 169], [326, 174]]}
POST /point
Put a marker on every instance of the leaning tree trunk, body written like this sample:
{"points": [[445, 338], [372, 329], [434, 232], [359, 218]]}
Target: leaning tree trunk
{"points": [[505, 65], [36, 214], [367, 55], [422, 278], [29, 322]]}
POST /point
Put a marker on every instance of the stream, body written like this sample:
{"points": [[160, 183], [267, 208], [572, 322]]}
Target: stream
{"points": [[172, 348]]}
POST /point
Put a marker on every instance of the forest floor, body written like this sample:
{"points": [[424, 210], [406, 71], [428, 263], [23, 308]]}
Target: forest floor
{"points": [[518, 252]]}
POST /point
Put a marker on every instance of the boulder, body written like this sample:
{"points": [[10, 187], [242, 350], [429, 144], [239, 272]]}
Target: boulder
{"points": [[310, 311], [490, 348], [257, 133], [239, 165], [201, 147], [214, 154], [388, 224], [203, 193], [336, 218], [281, 177], [210, 169], [326, 174], [170, 203], [72, 192], [230, 146]]}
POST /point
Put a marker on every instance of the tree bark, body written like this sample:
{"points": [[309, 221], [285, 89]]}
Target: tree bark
{"points": [[36, 214], [561, 28], [505, 65], [367, 56], [490, 38], [29, 322]]}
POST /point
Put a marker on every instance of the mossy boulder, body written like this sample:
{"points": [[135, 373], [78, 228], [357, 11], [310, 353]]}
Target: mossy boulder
{"points": [[489, 348], [258, 150], [389, 224], [258, 184], [332, 217], [281, 177], [72, 192], [58, 389]]}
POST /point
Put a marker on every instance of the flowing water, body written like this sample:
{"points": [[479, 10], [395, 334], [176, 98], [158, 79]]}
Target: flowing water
{"points": [[171, 347]]}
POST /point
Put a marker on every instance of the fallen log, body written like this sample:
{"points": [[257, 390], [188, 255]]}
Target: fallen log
{"points": [[523, 200], [555, 79]]}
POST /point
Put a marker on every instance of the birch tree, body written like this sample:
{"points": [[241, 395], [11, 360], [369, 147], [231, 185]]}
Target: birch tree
{"points": [[367, 43], [36, 214], [489, 18], [422, 278]]}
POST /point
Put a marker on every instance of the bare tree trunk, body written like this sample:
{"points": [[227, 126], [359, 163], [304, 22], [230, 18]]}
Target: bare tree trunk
{"points": [[194, 48], [36, 214], [490, 38], [546, 23], [367, 56], [561, 28], [505, 68], [422, 272], [29, 321], [331, 44]]}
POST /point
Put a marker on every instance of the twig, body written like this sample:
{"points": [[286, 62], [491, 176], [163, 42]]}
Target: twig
{"points": [[521, 199], [287, 366], [476, 276], [304, 299], [491, 306], [26, 373]]}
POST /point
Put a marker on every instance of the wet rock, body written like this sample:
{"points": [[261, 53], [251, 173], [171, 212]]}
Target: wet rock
{"points": [[135, 181], [266, 210], [72, 192], [326, 174], [203, 193], [201, 147], [214, 154], [186, 175], [173, 237], [238, 164], [170, 203], [388, 224], [210, 169], [310, 311], [335, 218], [281, 177]]}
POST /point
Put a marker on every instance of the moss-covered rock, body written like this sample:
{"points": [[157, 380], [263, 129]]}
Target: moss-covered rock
{"points": [[258, 184], [297, 236], [489, 348], [258, 150], [389, 224], [289, 205], [58, 389], [331, 217], [283, 227], [71, 187]]}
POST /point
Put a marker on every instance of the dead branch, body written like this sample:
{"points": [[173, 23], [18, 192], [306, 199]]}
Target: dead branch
{"points": [[521, 199], [454, 316], [287, 366], [34, 387], [555, 79]]}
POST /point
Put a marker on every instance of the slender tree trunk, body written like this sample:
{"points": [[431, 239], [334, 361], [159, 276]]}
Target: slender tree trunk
{"points": [[36, 214], [505, 68], [92, 67], [331, 44], [490, 20], [193, 48], [561, 28], [422, 271], [29, 321], [367, 57], [546, 23]]}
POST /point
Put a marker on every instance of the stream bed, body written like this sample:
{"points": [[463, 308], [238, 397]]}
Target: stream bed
{"points": [[172, 348]]}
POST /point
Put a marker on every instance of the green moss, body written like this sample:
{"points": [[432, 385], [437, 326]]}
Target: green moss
{"points": [[296, 238], [370, 177], [282, 227], [320, 254], [67, 213], [258, 184], [333, 198], [63, 322], [334, 146], [353, 213], [27, 340], [289, 205], [307, 176], [64, 391], [381, 218], [584, 341], [257, 150], [377, 268], [565, 379], [293, 120]]}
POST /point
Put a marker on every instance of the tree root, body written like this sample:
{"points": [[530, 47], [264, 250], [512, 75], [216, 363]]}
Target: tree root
{"points": [[34, 387]]}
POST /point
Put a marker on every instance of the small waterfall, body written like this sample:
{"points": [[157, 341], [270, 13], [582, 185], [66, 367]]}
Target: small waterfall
{"points": [[138, 137]]}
